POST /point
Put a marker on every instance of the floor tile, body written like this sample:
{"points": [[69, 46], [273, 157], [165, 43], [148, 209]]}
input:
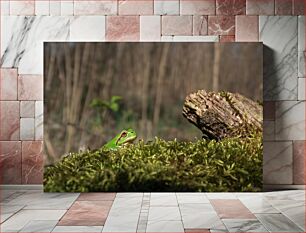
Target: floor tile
{"points": [[23, 217], [221, 196], [165, 226], [164, 214], [76, 229], [232, 209], [123, 217], [128, 195], [163, 200], [8, 210], [294, 210], [277, 223], [297, 195], [192, 198], [242, 225], [40, 200], [96, 197], [90, 213], [39, 226], [208, 220], [199, 230], [258, 205]]}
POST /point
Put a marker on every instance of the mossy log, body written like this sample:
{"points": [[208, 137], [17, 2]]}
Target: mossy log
{"points": [[223, 114]]}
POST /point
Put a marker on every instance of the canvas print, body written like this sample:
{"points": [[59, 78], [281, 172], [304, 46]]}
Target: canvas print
{"points": [[156, 117]]}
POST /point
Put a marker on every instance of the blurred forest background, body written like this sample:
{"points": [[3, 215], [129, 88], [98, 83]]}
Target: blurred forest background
{"points": [[94, 90]]}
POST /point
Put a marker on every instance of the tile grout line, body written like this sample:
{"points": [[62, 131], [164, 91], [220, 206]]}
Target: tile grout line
{"points": [[143, 216]]}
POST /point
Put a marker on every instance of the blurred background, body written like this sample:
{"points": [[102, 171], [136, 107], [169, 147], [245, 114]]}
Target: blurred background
{"points": [[94, 90]]}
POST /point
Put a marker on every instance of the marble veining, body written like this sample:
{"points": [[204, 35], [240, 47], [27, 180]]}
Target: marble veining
{"points": [[279, 35], [301, 47], [22, 40]]}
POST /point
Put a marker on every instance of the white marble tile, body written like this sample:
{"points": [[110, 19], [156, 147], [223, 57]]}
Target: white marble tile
{"points": [[241, 225], [42, 7], [66, 7], [294, 210], [192, 198], [163, 200], [170, 7], [129, 195], [27, 108], [279, 35], [150, 28], [258, 205], [40, 200], [27, 129], [87, 28], [190, 38], [301, 46], [106, 7], [5, 7], [268, 130], [290, 120], [39, 120], [165, 226], [39, 226], [8, 210], [221, 195], [294, 195], [55, 7], [205, 217], [301, 89], [75, 229], [164, 213], [20, 219], [124, 214], [277, 163], [277, 223], [22, 40], [208, 220]]}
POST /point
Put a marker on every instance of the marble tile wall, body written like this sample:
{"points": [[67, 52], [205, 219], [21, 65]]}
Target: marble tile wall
{"points": [[26, 24]]}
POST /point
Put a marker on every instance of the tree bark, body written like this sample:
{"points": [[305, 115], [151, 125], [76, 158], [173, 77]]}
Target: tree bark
{"points": [[223, 115]]}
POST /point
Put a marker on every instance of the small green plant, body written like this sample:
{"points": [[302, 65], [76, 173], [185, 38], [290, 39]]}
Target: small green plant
{"points": [[227, 165]]}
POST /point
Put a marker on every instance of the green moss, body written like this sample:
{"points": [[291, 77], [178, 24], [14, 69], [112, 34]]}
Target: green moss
{"points": [[228, 165]]}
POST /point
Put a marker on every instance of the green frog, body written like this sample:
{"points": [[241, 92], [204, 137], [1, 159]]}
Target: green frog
{"points": [[125, 137]]}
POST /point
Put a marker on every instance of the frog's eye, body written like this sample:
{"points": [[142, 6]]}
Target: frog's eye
{"points": [[123, 134]]}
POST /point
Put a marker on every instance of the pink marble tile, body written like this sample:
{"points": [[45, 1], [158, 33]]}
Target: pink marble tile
{"points": [[299, 162], [197, 7], [247, 28], [122, 28], [135, 7], [10, 162], [298, 7], [32, 162], [96, 197], [200, 25], [9, 120], [269, 110], [27, 108], [176, 25], [231, 209], [221, 25], [227, 38], [283, 7], [230, 7], [30, 87], [86, 213], [8, 84], [195, 230], [105, 7], [260, 7], [22, 7]]}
